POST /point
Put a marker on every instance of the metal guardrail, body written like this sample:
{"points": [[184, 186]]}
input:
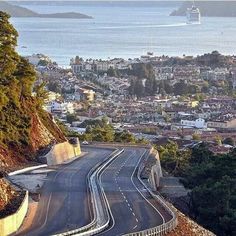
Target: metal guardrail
{"points": [[17, 172], [116, 144], [99, 202], [160, 229], [102, 218]]}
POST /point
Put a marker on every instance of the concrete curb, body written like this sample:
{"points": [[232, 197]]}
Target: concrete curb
{"points": [[17, 172]]}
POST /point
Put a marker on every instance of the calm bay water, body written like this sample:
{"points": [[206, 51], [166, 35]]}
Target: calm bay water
{"points": [[121, 31]]}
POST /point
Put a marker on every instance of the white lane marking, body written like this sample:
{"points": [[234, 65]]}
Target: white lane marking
{"points": [[60, 171], [140, 191], [135, 227], [113, 220]]}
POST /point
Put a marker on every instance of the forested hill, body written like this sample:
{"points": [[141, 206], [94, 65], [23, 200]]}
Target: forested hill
{"points": [[17, 11], [209, 8], [24, 126]]}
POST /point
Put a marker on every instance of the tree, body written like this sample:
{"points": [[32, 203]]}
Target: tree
{"points": [[71, 118], [112, 72], [3, 97], [142, 71], [180, 88], [26, 76], [124, 137], [8, 56], [43, 62], [229, 141], [212, 180], [201, 154], [218, 140], [196, 137], [164, 87], [54, 87], [132, 87], [139, 88], [41, 94], [150, 86], [173, 159]]}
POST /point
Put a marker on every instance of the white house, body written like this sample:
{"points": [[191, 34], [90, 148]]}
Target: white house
{"points": [[35, 58], [65, 107], [198, 123]]}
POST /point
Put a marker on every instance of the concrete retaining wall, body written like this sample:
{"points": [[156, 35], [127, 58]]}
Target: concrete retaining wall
{"points": [[62, 152], [12, 223], [156, 172]]}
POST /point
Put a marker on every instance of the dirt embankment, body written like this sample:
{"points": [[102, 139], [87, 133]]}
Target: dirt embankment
{"points": [[13, 156], [10, 198], [43, 133], [187, 227]]}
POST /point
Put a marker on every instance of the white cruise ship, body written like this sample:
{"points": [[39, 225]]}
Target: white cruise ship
{"points": [[193, 15]]}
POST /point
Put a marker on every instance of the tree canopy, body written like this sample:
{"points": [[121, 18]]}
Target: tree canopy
{"points": [[212, 181], [17, 77]]}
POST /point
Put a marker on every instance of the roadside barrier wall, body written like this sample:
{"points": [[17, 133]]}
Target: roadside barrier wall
{"points": [[156, 172], [12, 223], [62, 152]]}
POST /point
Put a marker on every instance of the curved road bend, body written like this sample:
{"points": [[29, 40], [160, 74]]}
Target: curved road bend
{"points": [[131, 205], [64, 199]]}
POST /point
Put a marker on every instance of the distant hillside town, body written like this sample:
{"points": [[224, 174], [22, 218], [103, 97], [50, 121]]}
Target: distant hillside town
{"points": [[152, 96]]}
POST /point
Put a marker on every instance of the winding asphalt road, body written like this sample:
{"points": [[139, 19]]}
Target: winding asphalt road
{"points": [[64, 203], [132, 207]]}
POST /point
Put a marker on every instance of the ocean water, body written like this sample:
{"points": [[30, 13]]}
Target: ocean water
{"points": [[121, 31]]}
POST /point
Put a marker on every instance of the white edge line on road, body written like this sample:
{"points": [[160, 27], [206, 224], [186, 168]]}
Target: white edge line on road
{"points": [[141, 192], [100, 177]]}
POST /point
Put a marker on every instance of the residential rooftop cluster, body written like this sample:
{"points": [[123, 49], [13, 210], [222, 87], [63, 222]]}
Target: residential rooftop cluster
{"points": [[149, 96]]}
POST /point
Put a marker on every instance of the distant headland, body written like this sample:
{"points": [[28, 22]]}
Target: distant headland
{"points": [[209, 8], [17, 11]]}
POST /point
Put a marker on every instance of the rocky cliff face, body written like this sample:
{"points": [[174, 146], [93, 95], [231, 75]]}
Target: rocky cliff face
{"points": [[15, 156], [25, 128], [10, 198]]}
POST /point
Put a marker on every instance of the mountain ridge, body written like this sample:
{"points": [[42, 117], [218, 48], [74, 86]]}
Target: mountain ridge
{"points": [[18, 11]]}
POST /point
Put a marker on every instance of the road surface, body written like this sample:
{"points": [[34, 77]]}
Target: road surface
{"points": [[64, 201], [132, 207]]}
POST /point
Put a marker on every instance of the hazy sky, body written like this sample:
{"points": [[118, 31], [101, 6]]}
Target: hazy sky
{"points": [[119, 0]]}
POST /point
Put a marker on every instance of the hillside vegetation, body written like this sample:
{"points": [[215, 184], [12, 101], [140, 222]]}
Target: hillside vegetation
{"points": [[24, 126], [212, 181]]}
